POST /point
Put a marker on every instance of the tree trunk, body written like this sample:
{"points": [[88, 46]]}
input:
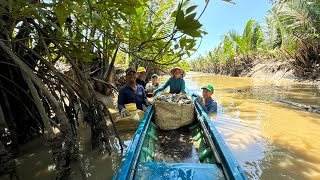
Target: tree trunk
{"points": [[108, 75], [40, 107], [65, 145], [10, 123]]}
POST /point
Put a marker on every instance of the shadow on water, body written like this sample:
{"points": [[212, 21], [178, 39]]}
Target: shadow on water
{"points": [[36, 160]]}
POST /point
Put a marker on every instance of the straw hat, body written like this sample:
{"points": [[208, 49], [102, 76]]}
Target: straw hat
{"points": [[183, 73]]}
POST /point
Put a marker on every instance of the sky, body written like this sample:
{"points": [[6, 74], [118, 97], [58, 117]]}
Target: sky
{"points": [[220, 17]]}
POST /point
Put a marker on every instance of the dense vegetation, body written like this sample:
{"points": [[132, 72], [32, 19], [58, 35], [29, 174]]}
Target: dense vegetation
{"points": [[89, 36], [291, 35]]}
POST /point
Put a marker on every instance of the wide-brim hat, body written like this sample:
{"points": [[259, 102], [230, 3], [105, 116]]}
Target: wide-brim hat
{"points": [[183, 73]]}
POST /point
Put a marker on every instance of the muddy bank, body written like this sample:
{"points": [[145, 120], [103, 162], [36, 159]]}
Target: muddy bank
{"points": [[275, 70], [268, 69]]}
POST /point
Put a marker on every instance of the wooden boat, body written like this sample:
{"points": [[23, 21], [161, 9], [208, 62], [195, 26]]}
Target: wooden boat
{"points": [[204, 153]]}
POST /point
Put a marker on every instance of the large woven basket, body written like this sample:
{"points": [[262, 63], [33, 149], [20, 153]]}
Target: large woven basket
{"points": [[170, 116]]}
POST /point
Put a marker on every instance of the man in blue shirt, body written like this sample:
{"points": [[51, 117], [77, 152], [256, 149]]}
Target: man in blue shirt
{"points": [[208, 104], [131, 92]]}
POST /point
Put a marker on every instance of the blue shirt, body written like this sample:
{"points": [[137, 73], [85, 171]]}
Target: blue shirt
{"points": [[128, 95], [176, 86], [211, 106]]}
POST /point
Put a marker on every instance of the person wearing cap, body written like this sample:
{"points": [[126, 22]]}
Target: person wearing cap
{"points": [[131, 92], [153, 85], [141, 71], [176, 82], [208, 104]]}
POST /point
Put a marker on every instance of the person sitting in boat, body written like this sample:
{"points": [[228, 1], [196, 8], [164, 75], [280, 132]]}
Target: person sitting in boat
{"points": [[141, 71], [131, 92], [176, 82], [208, 104], [153, 85]]}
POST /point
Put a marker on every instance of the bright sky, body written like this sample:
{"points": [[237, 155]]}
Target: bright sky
{"points": [[221, 17]]}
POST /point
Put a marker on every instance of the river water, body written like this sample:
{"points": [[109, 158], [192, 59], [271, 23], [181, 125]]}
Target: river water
{"points": [[270, 140]]}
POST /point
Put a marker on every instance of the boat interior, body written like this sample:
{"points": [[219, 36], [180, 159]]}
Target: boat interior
{"points": [[184, 152], [196, 151]]}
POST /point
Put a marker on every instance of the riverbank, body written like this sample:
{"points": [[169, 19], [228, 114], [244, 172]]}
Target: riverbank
{"points": [[268, 69], [275, 70]]}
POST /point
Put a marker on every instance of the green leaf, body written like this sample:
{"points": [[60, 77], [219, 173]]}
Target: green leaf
{"points": [[190, 9], [79, 10], [59, 35], [188, 53], [174, 14], [62, 14], [10, 4], [190, 17], [183, 42], [203, 32], [79, 36], [180, 19], [52, 24], [111, 46], [193, 33], [97, 20], [190, 25]]}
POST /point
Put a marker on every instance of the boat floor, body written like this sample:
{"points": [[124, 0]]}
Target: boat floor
{"points": [[176, 146], [169, 171]]}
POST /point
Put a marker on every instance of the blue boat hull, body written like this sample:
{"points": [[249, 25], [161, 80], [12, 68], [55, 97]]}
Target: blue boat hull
{"points": [[137, 164]]}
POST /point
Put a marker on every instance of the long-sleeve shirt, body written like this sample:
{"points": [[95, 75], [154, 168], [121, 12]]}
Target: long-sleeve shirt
{"points": [[128, 95], [176, 86], [210, 106]]}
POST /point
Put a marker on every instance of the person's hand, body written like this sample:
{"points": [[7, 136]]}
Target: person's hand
{"points": [[144, 107], [124, 112], [199, 100]]}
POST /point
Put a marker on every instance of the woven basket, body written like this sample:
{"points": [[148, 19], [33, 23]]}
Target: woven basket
{"points": [[170, 116]]}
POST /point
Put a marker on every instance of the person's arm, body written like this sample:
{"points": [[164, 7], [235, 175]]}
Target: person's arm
{"points": [[165, 85], [183, 87], [145, 99], [121, 99]]}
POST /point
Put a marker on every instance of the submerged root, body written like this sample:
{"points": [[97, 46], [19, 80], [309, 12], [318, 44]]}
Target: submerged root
{"points": [[8, 164]]}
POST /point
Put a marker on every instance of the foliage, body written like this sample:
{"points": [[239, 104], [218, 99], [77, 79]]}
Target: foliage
{"points": [[91, 36], [291, 34]]}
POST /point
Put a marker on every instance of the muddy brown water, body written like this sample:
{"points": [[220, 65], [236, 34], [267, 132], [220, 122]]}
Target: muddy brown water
{"points": [[270, 140]]}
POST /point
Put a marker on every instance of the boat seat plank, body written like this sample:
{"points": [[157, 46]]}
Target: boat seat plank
{"points": [[181, 171]]}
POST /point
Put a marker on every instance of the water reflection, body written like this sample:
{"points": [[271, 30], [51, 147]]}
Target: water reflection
{"points": [[270, 140]]}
